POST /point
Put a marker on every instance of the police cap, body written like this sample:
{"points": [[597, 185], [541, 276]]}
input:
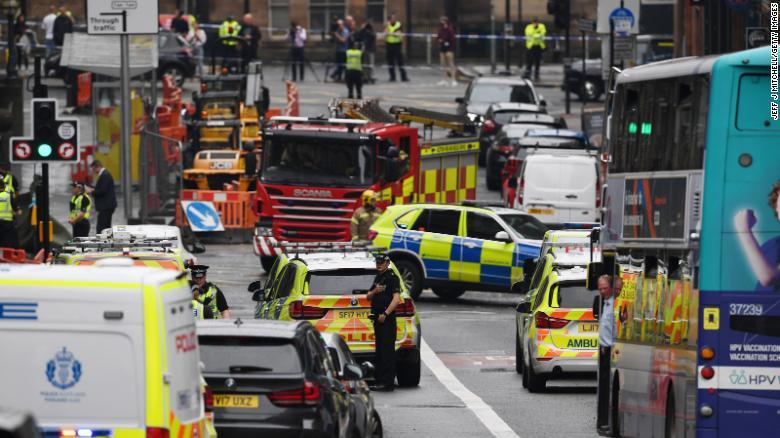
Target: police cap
{"points": [[199, 271], [381, 258]]}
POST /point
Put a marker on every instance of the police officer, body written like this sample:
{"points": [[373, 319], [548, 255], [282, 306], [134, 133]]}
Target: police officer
{"points": [[230, 28], [198, 309], [213, 300], [80, 203], [354, 70], [385, 295], [364, 216], [8, 207], [8, 179], [534, 44], [394, 48]]}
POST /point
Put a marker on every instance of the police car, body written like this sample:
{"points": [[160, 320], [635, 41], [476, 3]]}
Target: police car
{"points": [[326, 284], [451, 248], [156, 232]]}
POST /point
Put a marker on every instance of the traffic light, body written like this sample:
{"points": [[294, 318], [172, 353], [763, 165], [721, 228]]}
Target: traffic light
{"points": [[53, 139], [559, 9]]}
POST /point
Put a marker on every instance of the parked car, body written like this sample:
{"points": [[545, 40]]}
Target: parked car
{"points": [[364, 418], [559, 188], [503, 143], [485, 91], [174, 58], [588, 86], [273, 378], [496, 116]]}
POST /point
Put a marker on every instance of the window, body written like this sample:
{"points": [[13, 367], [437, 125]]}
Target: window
{"points": [[540, 294], [480, 226], [406, 220], [341, 281], [491, 93], [247, 355], [286, 281], [438, 221], [540, 264], [321, 13], [279, 14], [375, 12], [571, 295]]}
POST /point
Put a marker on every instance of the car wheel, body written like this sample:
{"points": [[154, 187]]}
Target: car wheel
{"points": [[411, 276], [448, 293], [525, 376], [408, 369], [376, 428], [589, 91], [267, 262], [175, 72], [518, 354], [536, 383]]}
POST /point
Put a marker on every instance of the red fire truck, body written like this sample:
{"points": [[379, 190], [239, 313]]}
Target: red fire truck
{"points": [[314, 171]]}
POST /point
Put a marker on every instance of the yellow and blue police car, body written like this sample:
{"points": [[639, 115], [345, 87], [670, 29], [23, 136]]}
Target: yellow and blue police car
{"points": [[451, 248], [328, 287]]}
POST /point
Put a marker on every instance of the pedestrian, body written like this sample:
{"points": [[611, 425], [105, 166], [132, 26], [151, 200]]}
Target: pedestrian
{"points": [[179, 24], [197, 39], [341, 36], [47, 24], [604, 311], [8, 209], [394, 48], [213, 300], [104, 194], [250, 33], [385, 295], [364, 216], [446, 39], [298, 38], [354, 74], [535, 33], [367, 38], [62, 25], [229, 29], [8, 179], [80, 204], [24, 41]]}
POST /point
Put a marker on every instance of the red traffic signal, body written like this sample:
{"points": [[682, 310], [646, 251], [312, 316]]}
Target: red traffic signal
{"points": [[53, 139]]}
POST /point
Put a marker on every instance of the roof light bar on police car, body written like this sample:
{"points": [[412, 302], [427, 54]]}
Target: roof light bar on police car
{"points": [[480, 203], [318, 120]]}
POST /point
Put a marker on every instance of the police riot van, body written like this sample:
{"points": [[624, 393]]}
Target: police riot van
{"points": [[101, 351]]}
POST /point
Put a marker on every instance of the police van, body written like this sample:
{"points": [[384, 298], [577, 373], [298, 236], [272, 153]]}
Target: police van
{"points": [[101, 351]]}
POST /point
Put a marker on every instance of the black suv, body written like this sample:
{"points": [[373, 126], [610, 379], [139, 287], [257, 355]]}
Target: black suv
{"points": [[273, 378]]}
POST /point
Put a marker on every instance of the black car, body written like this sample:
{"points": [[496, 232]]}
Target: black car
{"points": [[496, 116], [502, 145], [364, 418], [273, 378], [588, 86], [174, 58]]}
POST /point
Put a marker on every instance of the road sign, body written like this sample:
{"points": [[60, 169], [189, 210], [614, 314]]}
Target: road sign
{"points": [[122, 17], [756, 37], [623, 48], [53, 139], [202, 216], [623, 21], [605, 8], [586, 25]]}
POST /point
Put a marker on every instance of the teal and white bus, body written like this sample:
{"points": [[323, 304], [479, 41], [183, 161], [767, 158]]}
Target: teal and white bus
{"points": [[692, 221]]}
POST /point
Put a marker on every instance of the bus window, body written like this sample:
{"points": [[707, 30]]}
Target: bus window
{"points": [[752, 89]]}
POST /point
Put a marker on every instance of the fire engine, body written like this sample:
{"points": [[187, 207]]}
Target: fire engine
{"points": [[314, 170]]}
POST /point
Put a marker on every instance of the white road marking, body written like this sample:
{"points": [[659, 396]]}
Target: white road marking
{"points": [[486, 415]]}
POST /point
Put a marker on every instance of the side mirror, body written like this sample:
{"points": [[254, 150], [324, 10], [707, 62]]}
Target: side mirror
{"points": [[368, 369], [523, 307], [542, 102], [529, 266], [460, 100], [352, 372], [518, 287], [503, 236], [258, 296], [256, 286], [595, 270]]}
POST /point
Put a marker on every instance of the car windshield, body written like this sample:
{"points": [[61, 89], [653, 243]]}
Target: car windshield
{"points": [[572, 295], [526, 226], [504, 117], [248, 355], [341, 281], [320, 162], [502, 93]]}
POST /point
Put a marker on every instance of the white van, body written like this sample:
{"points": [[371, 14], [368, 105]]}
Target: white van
{"points": [[558, 188], [101, 351]]}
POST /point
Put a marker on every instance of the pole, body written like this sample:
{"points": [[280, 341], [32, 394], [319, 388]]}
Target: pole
{"points": [[507, 26], [41, 91], [492, 40], [10, 69], [127, 122], [611, 44], [567, 64], [520, 30]]}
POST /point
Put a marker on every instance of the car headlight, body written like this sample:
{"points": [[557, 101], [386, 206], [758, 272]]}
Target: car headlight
{"points": [[473, 117]]}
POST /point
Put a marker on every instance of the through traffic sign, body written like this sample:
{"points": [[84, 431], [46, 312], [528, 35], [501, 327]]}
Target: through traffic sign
{"points": [[122, 17]]}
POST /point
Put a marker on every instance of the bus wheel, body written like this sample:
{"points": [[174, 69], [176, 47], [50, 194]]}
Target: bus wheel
{"points": [[670, 425]]}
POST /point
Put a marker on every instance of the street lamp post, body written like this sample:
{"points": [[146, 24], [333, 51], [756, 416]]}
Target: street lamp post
{"points": [[9, 8]]}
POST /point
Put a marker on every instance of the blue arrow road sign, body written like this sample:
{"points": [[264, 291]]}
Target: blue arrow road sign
{"points": [[202, 216]]}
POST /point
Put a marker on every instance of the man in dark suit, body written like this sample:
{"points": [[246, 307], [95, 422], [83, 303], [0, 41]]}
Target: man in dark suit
{"points": [[104, 195]]}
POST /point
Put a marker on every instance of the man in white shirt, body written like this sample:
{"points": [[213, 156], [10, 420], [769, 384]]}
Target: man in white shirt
{"points": [[604, 310], [48, 26]]}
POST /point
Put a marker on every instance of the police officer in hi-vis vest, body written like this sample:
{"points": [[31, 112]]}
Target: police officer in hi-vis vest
{"points": [[213, 300], [354, 74], [364, 216], [394, 48], [80, 204], [8, 208]]}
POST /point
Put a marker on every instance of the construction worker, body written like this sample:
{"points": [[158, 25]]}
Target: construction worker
{"points": [[8, 207], [80, 203], [230, 53], [354, 70], [394, 48], [534, 44], [364, 216], [213, 300]]}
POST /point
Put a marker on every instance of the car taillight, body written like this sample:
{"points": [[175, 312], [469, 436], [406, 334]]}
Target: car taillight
{"points": [[300, 311], [504, 149], [544, 320], [309, 395], [208, 399], [405, 308], [372, 234], [156, 432], [488, 127]]}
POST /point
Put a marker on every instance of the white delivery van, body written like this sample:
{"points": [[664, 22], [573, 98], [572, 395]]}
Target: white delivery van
{"points": [[557, 189], [101, 351]]}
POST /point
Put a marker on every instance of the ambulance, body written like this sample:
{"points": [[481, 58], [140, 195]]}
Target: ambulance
{"points": [[101, 351]]}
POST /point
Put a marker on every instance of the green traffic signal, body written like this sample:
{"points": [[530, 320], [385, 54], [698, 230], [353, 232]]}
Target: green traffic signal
{"points": [[44, 150]]}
